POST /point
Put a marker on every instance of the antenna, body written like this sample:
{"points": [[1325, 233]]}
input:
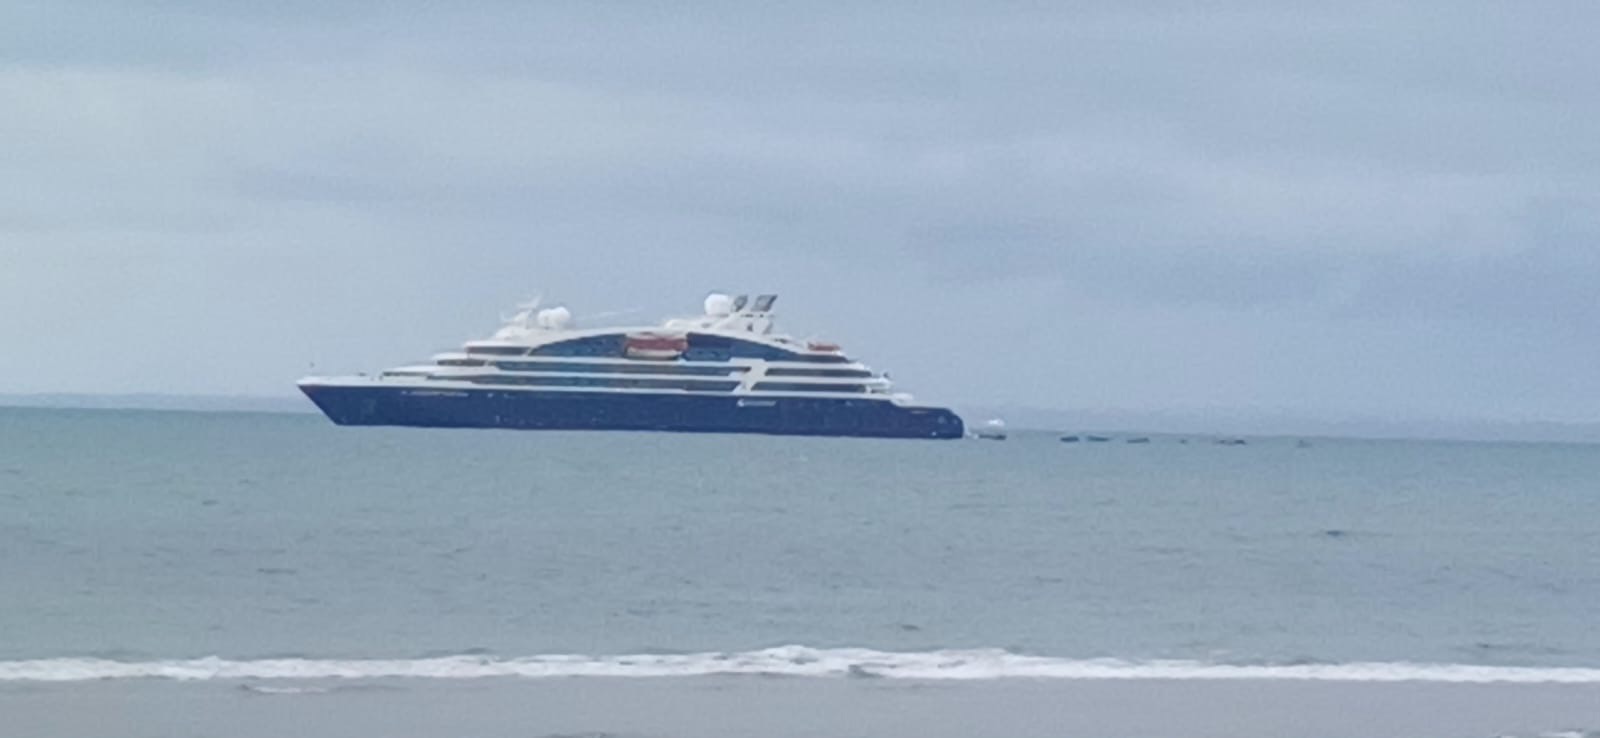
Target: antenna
{"points": [[524, 308]]}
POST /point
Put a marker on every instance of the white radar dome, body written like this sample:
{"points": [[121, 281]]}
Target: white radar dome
{"points": [[718, 305], [554, 318]]}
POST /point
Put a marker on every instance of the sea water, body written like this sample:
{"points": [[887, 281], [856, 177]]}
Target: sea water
{"points": [[237, 546]]}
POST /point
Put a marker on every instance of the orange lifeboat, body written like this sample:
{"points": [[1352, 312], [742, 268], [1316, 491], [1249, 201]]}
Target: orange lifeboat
{"points": [[655, 346]]}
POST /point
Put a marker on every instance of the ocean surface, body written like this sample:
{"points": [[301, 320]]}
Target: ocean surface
{"points": [[256, 548]]}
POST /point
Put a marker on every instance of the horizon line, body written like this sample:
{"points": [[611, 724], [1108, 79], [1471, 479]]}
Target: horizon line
{"points": [[1223, 422]]}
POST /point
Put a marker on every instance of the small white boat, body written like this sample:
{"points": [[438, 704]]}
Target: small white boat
{"points": [[994, 430]]}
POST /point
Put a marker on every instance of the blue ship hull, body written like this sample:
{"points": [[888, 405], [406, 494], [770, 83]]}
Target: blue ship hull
{"points": [[533, 410]]}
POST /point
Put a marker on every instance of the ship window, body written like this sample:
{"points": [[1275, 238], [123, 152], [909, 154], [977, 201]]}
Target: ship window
{"points": [[462, 362], [721, 348], [784, 372], [701, 354], [692, 385], [798, 387], [498, 350], [607, 345], [573, 367]]}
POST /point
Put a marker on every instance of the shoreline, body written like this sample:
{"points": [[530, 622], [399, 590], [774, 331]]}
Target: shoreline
{"points": [[785, 707]]}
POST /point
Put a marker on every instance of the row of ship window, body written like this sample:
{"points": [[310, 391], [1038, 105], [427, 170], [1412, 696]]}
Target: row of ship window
{"points": [[653, 368], [700, 349], [698, 385]]}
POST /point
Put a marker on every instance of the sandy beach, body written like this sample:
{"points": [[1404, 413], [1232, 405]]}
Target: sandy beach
{"points": [[726, 707]]}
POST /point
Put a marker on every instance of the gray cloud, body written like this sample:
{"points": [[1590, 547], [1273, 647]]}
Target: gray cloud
{"points": [[1355, 209]]}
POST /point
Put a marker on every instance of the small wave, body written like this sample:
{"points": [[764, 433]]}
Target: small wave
{"points": [[266, 689], [795, 661], [1564, 734]]}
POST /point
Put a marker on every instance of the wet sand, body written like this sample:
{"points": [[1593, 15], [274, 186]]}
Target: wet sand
{"points": [[725, 707]]}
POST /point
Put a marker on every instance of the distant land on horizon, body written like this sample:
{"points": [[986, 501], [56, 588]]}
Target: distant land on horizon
{"points": [[1251, 422], [1197, 423], [155, 401]]}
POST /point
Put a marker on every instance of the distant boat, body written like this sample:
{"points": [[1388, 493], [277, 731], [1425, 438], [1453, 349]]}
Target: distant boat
{"points": [[1140, 439], [1302, 443], [1070, 439], [1097, 439], [994, 430], [1230, 442]]}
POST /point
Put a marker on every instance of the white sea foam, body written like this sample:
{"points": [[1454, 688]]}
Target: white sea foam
{"points": [[264, 689], [1564, 734], [796, 661]]}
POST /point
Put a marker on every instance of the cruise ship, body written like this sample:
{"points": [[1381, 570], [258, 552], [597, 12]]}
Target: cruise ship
{"points": [[725, 371]]}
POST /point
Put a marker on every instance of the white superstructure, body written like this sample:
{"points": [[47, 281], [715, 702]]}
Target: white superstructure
{"points": [[731, 348]]}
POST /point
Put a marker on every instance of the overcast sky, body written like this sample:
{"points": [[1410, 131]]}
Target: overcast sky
{"points": [[1383, 209]]}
